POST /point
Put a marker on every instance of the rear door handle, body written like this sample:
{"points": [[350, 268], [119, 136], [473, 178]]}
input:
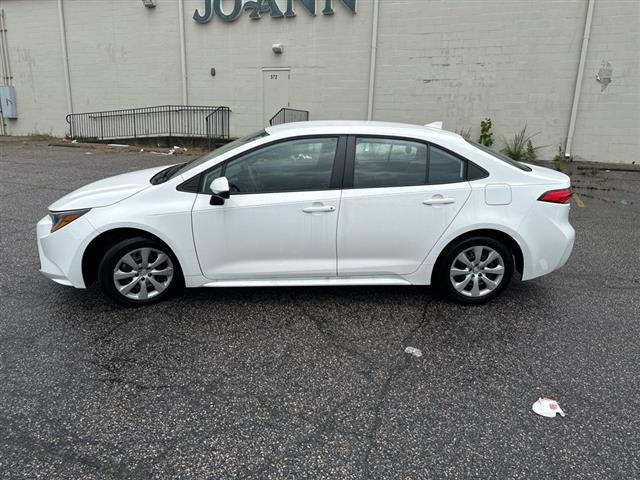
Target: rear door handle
{"points": [[439, 201], [319, 209]]}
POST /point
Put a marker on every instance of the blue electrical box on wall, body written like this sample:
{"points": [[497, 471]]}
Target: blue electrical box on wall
{"points": [[8, 104]]}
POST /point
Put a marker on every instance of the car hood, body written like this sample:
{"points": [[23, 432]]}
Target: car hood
{"points": [[106, 192]]}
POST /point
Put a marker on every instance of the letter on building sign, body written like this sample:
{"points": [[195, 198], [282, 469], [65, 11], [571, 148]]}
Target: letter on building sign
{"points": [[208, 12], [258, 7], [237, 11], [310, 5], [263, 6], [350, 4]]}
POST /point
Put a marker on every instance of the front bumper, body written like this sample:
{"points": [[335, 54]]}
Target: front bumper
{"points": [[61, 252]]}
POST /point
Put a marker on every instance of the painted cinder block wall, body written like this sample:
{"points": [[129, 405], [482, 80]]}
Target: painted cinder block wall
{"points": [[456, 60], [37, 67]]}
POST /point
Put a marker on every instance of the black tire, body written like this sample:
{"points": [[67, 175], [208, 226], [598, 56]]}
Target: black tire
{"points": [[111, 260], [444, 270]]}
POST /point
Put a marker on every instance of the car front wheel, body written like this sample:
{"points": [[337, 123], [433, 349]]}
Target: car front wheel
{"points": [[139, 271], [475, 270]]}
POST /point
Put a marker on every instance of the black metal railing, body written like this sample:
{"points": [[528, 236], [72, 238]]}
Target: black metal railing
{"points": [[288, 115], [161, 121]]}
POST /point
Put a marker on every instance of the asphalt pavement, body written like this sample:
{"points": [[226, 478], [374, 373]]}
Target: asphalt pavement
{"points": [[314, 382]]}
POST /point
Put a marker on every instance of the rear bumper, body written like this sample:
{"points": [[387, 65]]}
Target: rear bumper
{"points": [[61, 252], [550, 238]]}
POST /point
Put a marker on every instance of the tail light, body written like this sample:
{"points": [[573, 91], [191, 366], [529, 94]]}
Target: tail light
{"points": [[556, 196]]}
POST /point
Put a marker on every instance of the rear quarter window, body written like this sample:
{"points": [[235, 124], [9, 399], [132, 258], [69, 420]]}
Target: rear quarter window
{"points": [[474, 172]]}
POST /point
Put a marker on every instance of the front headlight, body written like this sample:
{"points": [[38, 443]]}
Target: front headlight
{"points": [[62, 219]]}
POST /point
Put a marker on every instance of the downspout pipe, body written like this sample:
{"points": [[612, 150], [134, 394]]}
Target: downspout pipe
{"points": [[65, 55], [7, 79], [578, 88], [374, 55], [183, 53], [6, 65]]}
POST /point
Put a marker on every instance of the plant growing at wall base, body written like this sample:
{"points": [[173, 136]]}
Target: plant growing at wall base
{"points": [[531, 154], [521, 148], [486, 135], [559, 160]]}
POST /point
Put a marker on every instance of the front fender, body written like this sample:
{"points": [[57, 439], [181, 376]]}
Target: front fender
{"points": [[173, 229]]}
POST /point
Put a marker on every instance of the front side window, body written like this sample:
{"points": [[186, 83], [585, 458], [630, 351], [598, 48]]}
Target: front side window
{"points": [[184, 169], [389, 163], [295, 165]]}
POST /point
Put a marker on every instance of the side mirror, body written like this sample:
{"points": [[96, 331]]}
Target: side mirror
{"points": [[220, 190], [220, 187]]}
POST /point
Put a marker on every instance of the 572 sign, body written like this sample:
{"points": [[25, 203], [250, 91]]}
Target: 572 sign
{"points": [[258, 7]]}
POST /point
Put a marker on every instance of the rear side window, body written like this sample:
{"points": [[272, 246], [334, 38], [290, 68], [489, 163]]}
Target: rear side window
{"points": [[445, 167], [389, 163]]}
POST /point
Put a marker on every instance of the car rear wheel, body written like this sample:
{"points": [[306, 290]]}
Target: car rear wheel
{"points": [[475, 270], [139, 271]]}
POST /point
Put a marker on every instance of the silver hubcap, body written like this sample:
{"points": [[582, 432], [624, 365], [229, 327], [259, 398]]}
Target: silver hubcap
{"points": [[477, 271], [143, 273]]}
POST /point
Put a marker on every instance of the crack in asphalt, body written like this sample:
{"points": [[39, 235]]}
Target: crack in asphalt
{"points": [[336, 340], [401, 364], [33, 444]]}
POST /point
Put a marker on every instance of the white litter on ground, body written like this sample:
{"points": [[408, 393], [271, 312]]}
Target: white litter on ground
{"points": [[547, 407], [176, 149], [416, 352]]}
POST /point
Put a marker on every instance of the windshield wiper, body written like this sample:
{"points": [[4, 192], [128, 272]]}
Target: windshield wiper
{"points": [[164, 175]]}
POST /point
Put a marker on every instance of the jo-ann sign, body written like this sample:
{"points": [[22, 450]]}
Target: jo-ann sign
{"points": [[259, 7]]}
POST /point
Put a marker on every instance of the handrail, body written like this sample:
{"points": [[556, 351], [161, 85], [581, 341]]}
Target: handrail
{"points": [[218, 109], [289, 115], [157, 121]]}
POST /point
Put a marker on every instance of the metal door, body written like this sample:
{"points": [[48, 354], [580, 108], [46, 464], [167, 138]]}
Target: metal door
{"points": [[275, 91]]}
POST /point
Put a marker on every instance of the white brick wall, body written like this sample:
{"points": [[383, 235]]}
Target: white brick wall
{"points": [[328, 57], [512, 61], [608, 125], [36, 64], [122, 55], [455, 60]]}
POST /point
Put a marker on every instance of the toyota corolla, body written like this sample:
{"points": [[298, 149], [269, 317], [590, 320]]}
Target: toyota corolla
{"points": [[315, 203]]}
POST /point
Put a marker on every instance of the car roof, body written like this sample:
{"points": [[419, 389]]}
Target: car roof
{"points": [[361, 127]]}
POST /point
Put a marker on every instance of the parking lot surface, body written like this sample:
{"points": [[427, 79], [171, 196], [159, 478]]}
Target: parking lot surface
{"points": [[314, 382]]}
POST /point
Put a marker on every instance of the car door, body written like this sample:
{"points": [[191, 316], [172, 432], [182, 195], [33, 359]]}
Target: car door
{"points": [[281, 218], [400, 196]]}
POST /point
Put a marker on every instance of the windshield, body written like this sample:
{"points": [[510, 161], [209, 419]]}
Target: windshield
{"points": [[501, 157], [219, 151]]}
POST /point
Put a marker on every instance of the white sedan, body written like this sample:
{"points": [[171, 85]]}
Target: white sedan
{"points": [[315, 203]]}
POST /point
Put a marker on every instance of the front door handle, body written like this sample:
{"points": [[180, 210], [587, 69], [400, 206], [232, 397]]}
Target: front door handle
{"points": [[439, 201], [319, 209]]}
